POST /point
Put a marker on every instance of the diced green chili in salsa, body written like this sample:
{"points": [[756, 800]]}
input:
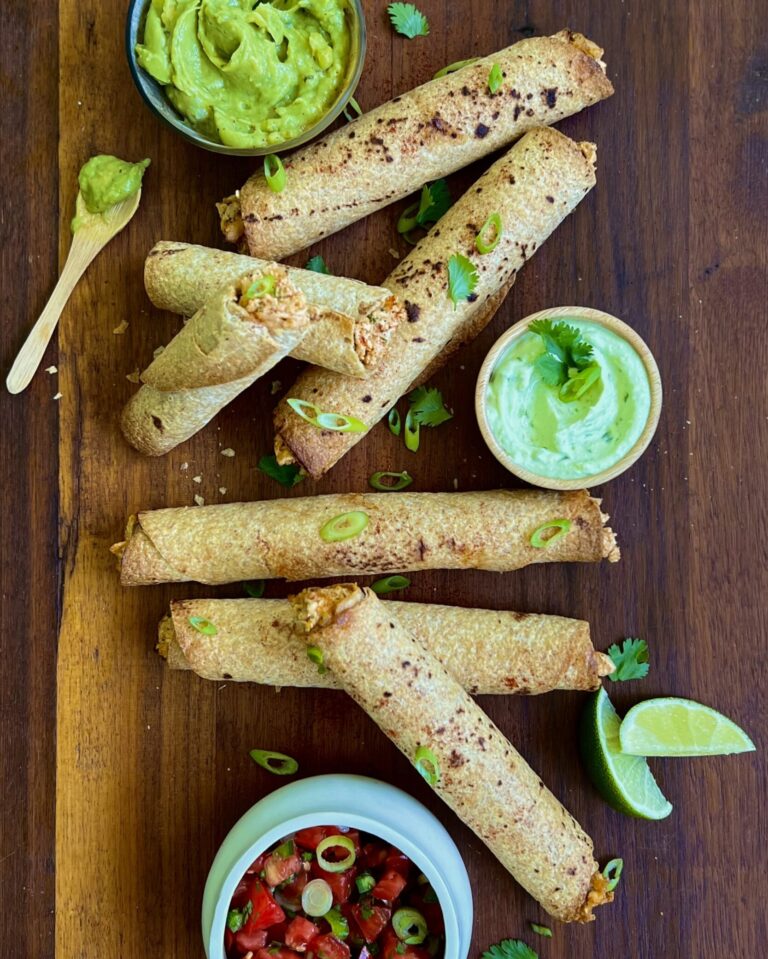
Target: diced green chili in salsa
{"points": [[274, 915]]}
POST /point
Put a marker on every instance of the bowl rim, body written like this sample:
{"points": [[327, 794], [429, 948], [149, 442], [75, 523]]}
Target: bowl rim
{"points": [[150, 90], [319, 817], [592, 315]]}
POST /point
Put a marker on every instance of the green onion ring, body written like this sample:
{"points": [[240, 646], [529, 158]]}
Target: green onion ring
{"points": [[493, 227], [202, 625], [352, 110], [427, 765], [495, 78], [393, 421], [316, 898], [285, 850], [574, 388], [344, 526], [409, 218], [563, 527], [412, 430], [255, 588], [315, 655], [453, 67], [410, 926], [299, 406], [365, 882], [274, 173], [541, 930], [401, 481], [261, 286], [337, 922], [340, 423], [335, 842], [612, 873], [390, 584], [277, 763]]}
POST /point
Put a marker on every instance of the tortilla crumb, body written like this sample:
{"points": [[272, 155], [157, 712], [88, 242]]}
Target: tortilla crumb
{"points": [[51, 370], [275, 387], [222, 490], [199, 501], [184, 466], [57, 396], [228, 452], [158, 351], [120, 328], [455, 482], [393, 253], [133, 377], [197, 479]]}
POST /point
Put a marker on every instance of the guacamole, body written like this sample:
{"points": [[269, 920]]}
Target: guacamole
{"points": [[569, 440], [245, 73], [104, 181]]}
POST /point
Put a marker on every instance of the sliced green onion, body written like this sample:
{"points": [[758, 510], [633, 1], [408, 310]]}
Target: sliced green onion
{"points": [[344, 526], [410, 926], [335, 842], [203, 625], [365, 882], [562, 526], [390, 584], [353, 109], [612, 873], [274, 173], [427, 765], [495, 78], [262, 286], [409, 218], [300, 407], [412, 430], [316, 898], [315, 655], [393, 421], [401, 480], [255, 588], [453, 67], [235, 920], [576, 386], [340, 423], [277, 763], [490, 234], [285, 850], [307, 856], [337, 922], [541, 930]]}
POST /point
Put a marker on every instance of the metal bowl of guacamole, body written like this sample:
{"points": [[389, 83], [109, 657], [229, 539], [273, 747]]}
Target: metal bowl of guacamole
{"points": [[568, 397], [246, 77]]}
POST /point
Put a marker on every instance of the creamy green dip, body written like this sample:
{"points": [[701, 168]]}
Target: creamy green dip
{"points": [[106, 180], [546, 435], [245, 73]]}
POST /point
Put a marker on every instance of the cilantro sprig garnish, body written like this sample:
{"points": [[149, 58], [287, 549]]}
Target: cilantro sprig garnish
{"points": [[288, 475], [510, 949], [567, 361], [407, 20], [434, 201], [462, 278], [631, 660], [428, 407], [317, 265]]}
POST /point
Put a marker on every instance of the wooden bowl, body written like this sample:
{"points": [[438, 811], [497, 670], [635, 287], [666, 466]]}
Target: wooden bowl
{"points": [[593, 316]]}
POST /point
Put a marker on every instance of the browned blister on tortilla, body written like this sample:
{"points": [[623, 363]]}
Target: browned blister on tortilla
{"points": [[233, 542], [422, 135], [420, 706], [532, 189]]}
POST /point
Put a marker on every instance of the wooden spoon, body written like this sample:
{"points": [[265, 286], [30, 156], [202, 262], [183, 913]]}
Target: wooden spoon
{"points": [[95, 230]]}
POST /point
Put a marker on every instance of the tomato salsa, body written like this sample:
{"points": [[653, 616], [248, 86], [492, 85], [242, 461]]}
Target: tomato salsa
{"points": [[329, 892]]}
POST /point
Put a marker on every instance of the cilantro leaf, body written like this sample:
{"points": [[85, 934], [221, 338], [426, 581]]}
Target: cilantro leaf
{"points": [[551, 370], [407, 20], [566, 359], [631, 661], [287, 476], [317, 265], [510, 949], [427, 406], [435, 201], [462, 278]]}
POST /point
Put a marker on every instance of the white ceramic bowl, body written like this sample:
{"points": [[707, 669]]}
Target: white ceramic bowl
{"points": [[342, 800]]}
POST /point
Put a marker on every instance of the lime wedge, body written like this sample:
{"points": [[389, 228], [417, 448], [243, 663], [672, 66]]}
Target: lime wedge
{"points": [[625, 782], [680, 727]]}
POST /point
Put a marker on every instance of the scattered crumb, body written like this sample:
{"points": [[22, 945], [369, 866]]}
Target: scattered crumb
{"points": [[184, 466], [199, 501], [275, 387], [57, 396], [197, 479], [158, 351], [133, 377], [228, 452], [393, 253], [455, 482], [51, 370], [222, 490], [120, 328]]}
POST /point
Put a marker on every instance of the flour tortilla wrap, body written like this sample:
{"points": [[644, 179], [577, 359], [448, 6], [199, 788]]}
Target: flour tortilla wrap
{"points": [[487, 651], [228, 344], [352, 324], [533, 188], [414, 700], [232, 542], [422, 135]]}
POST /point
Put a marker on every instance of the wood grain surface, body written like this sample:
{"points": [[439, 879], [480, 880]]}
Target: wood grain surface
{"points": [[146, 771]]}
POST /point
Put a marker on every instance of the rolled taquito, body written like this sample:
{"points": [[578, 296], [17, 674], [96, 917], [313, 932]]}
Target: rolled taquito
{"points": [[531, 189], [352, 321], [469, 762], [300, 538], [240, 333], [421, 135], [255, 640]]}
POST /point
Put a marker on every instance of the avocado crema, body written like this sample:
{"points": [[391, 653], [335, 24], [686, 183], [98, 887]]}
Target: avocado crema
{"points": [[245, 73]]}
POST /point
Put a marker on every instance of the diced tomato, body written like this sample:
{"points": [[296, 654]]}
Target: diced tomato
{"points": [[250, 941], [240, 895], [265, 912], [309, 838], [257, 865], [278, 869], [329, 947], [290, 893], [341, 883], [389, 886], [397, 861], [229, 941], [374, 855], [299, 933], [370, 919], [389, 943], [276, 952]]}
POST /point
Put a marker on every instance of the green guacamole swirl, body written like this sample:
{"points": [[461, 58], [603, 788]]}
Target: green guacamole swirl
{"points": [[569, 440], [246, 73], [104, 181]]}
